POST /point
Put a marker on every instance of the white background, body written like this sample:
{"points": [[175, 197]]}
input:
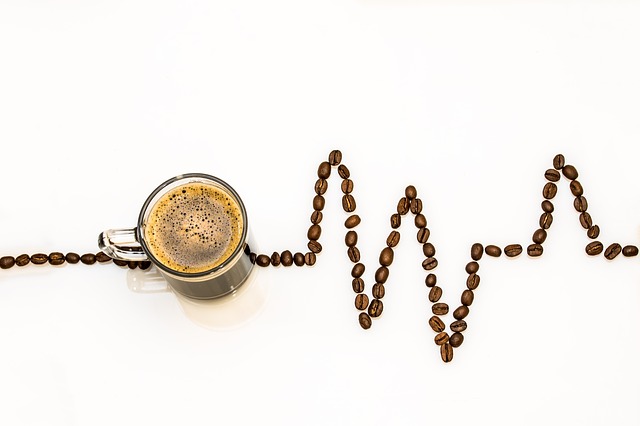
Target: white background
{"points": [[100, 101]]}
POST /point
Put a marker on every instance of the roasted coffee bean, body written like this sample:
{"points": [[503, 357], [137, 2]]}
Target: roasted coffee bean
{"points": [[416, 206], [386, 256], [348, 203], [396, 219], [612, 251], [324, 170], [347, 186], [466, 298], [446, 352], [335, 157], [458, 326], [56, 258], [423, 235], [629, 251], [493, 251], [580, 204], [375, 308], [473, 281], [362, 301], [476, 251], [310, 258], [552, 175], [435, 294], [314, 246], [558, 162], [441, 338], [364, 320], [585, 220], [314, 232], [429, 263], [263, 260], [534, 250], [115, 261], [456, 340], [23, 260], [403, 206], [594, 248], [393, 239], [440, 308], [352, 221], [357, 284], [358, 270], [316, 217], [144, 265], [275, 256], [576, 188], [382, 275], [461, 312], [550, 190], [546, 219], [252, 257], [101, 257], [593, 232], [87, 258], [132, 264], [318, 202], [39, 258], [378, 290], [321, 187], [513, 250], [286, 258], [410, 192], [7, 262], [570, 172], [343, 171], [547, 206], [351, 238], [420, 221], [298, 259], [539, 236], [472, 267], [429, 250], [354, 254], [431, 280], [436, 324]]}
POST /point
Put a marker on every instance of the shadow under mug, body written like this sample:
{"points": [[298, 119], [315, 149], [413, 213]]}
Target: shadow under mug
{"points": [[220, 280]]}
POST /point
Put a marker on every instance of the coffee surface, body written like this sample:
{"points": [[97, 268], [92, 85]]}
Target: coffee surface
{"points": [[194, 228]]}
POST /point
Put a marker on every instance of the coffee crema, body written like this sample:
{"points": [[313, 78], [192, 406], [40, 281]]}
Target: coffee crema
{"points": [[194, 228]]}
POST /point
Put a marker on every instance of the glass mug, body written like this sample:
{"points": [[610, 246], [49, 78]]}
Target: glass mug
{"points": [[194, 229]]}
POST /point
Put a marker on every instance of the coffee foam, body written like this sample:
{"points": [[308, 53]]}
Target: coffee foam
{"points": [[194, 228]]}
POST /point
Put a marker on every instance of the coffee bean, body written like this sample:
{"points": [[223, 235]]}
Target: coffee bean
{"points": [[101, 257], [461, 312], [351, 238], [446, 352], [534, 250], [263, 260], [476, 251], [466, 298], [132, 264], [382, 275], [416, 206], [558, 161], [352, 221], [395, 220], [324, 170], [364, 320], [115, 261], [570, 172], [547, 206], [314, 246], [431, 280], [375, 308], [493, 251], [546, 219], [423, 235], [593, 232], [403, 206], [429, 263], [343, 171], [39, 258], [612, 251], [348, 203], [347, 186], [275, 256], [386, 256], [436, 324], [7, 262], [552, 175], [420, 221], [440, 308], [594, 248], [56, 258], [298, 259], [513, 250], [87, 258], [539, 236], [580, 204], [335, 157], [252, 257], [458, 326], [456, 340], [393, 239], [435, 294], [310, 258], [314, 232], [357, 284], [550, 190], [585, 220], [441, 338], [429, 250], [321, 187], [318, 202], [472, 267], [473, 281], [22, 260], [354, 254], [378, 290], [358, 270], [410, 192], [629, 251], [576, 188], [316, 217], [144, 265], [286, 258]]}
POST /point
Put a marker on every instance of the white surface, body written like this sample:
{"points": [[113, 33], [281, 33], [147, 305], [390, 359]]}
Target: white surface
{"points": [[102, 101]]}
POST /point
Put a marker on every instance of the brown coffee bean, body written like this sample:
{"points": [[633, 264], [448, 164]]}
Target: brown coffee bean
{"points": [[593, 232], [252, 257], [298, 259], [396, 220], [364, 320], [440, 308], [72, 258], [56, 258], [466, 298], [348, 203], [552, 175], [351, 238], [375, 308], [446, 352], [570, 172], [576, 188], [594, 248], [456, 340], [39, 258], [493, 251], [7, 262], [314, 232], [358, 270], [314, 246], [580, 204], [263, 260], [558, 161], [347, 186], [23, 260], [629, 251], [318, 202], [310, 258], [316, 217], [458, 326], [473, 281], [472, 267], [275, 256], [324, 170], [585, 220], [436, 324], [352, 221], [382, 275], [476, 251], [286, 258], [416, 206], [321, 187], [357, 284], [87, 258], [354, 254], [534, 250], [335, 157], [101, 257], [423, 235], [550, 190], [539, 236], [546, 219], [132, 264], [403, 206], [393, 239], [144, 265], [612, 251], [410, 192], [343, 171], [547, 206], [378, 291], [441, 338], [428, 250], [429, 263], [513, 250], [431, 280], [420, 221], [435, 294], [386, 256], [115, 261], [461, 312]]}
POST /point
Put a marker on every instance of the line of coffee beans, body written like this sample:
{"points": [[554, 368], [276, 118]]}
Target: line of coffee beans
{"points": [[57, 258]]}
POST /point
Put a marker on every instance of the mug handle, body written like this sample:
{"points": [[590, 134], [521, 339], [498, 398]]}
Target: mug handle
{"points": [[121, 244]]}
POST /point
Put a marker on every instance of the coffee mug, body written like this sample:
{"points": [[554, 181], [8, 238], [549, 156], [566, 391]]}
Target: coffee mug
{"points": [[194, 229]]}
